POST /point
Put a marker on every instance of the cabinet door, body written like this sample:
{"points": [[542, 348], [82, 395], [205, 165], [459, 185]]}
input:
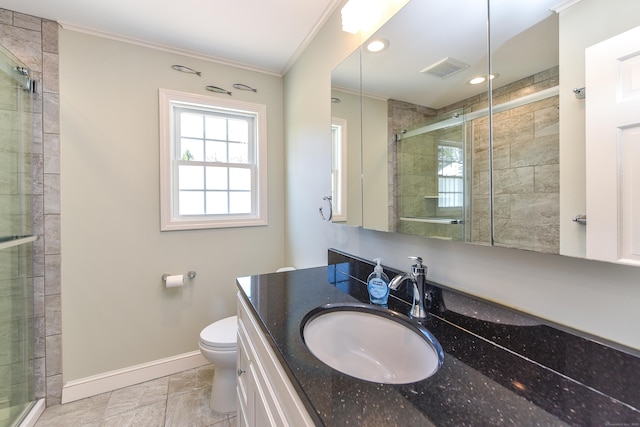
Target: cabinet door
{"points": [[265, 394], [262, 414], [244, 386], [613, 148], [257, 405]]}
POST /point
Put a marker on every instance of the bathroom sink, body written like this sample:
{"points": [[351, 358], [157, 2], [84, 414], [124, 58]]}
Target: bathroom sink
{"points": [[371, 343]]}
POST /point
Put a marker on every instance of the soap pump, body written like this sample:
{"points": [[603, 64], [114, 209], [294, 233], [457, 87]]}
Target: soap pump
{"points": [[378, 285]]}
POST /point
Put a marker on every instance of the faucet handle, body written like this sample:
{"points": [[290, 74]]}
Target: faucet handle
{"points": [[418, 268], [417, 259]]}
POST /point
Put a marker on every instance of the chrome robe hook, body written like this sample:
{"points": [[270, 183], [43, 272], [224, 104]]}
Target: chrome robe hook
{"points": [[327, 198]]}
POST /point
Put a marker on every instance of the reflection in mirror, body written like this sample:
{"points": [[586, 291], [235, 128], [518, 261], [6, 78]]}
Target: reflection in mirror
{"points": [[522, 186], [339, 167], [346, 124], [525, 168], [576, 196], [426, 162], [432, 177]]}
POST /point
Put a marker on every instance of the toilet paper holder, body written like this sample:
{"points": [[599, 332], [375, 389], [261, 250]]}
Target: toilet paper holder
{"points": [[190, 275]]}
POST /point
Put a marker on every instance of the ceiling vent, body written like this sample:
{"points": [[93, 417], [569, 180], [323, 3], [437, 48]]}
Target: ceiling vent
{"points": [[445, 68]]}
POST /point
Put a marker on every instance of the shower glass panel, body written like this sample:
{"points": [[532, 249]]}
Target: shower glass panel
{"points": [[16, 279], [432, 179]]}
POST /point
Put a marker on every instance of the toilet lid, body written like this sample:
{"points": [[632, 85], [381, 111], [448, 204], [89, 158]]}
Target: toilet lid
{"points": [[221, 334]]}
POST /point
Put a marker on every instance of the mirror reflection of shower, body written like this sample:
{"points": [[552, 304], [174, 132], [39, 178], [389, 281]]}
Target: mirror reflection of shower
{"points": [[431, 175]]}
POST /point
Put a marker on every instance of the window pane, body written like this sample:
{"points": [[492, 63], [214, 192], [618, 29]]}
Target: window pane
{"points": [[239, 203], [239, 179], [216, 127], [217, 202], [238, 152], [216, 151], [191, 125], [191, 203], [191, 149], [217, 178], [238, 130], [191, 178]]}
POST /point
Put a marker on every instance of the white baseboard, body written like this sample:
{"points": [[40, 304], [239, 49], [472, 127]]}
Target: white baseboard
{"points": [[109, 381]]}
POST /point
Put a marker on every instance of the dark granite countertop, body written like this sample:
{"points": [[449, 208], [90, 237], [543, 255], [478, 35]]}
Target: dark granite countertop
{"points": [[500, 367]]}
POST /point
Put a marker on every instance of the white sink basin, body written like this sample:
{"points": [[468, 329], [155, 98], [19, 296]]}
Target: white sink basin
{"points": [[371, 343]]}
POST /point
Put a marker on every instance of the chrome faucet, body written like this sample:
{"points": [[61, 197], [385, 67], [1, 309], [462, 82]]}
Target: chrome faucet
{"points": [[418, 277]]}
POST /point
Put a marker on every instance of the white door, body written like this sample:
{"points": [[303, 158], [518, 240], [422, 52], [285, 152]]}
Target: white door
{"points": [[613, 148]]}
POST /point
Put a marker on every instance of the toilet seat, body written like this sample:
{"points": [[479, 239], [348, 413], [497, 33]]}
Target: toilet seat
{"points": [[221, 335]]}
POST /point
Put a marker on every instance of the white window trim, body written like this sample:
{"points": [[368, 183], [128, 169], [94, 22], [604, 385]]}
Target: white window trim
{"points": [[169, 221], [339, 190]]}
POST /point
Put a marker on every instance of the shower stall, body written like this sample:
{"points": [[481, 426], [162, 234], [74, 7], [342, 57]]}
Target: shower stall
{"points": [[16, 270], [433, 178]]}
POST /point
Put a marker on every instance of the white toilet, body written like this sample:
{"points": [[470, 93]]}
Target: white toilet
{"points": [[218, 345]]}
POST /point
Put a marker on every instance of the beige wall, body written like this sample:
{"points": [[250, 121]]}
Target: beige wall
{"points": [[116, 312], [595, 297], [375, 166]]}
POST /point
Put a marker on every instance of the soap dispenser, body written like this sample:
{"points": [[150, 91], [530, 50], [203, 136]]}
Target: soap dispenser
{"points": [[378, 285]]}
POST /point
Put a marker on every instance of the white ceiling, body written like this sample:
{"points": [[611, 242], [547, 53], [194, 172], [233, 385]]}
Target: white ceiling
{"points": [[263, 34]]}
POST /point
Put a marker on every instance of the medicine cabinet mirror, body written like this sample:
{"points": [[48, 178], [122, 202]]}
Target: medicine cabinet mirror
{"points": [[431, 154]]}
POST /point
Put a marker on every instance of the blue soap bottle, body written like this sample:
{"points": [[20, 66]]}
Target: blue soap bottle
{"points": [[378, 285]]}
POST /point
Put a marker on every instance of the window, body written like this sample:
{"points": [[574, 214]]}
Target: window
{"points": [[212, 162], [450, 176], [339, 168]]}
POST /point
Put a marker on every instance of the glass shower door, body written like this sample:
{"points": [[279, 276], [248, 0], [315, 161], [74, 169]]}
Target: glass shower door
{"points": [[16, 279], [432, 179]]}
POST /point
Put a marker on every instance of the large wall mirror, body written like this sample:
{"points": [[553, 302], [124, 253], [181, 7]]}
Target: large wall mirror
{"points": [[430, 153]]}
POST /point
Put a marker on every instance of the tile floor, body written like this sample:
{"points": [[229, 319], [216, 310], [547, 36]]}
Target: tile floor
{"points": [[179, 400]]}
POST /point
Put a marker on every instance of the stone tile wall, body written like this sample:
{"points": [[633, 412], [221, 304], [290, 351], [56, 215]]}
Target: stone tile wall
{"points": [[35, 42], [401, 116], [526, 154]]}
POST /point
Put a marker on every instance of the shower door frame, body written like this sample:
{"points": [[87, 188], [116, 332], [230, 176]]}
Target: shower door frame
{"points": [[17, 396]]}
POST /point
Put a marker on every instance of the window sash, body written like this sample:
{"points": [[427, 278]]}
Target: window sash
{"points": [[205, 189], [339, 169], [450, 180], [251, 195], [179, 111]]}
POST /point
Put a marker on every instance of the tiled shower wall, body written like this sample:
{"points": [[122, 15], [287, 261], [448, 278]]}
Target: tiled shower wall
{"points": [[401, 116], [526, 155], [35, 42]]}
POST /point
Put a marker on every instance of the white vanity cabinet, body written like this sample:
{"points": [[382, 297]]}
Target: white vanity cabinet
{"points": [[265, 394]]}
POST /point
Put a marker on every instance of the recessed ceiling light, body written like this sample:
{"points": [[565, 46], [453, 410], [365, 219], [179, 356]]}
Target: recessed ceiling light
{"points": [[481, 79], [377, 45]]}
